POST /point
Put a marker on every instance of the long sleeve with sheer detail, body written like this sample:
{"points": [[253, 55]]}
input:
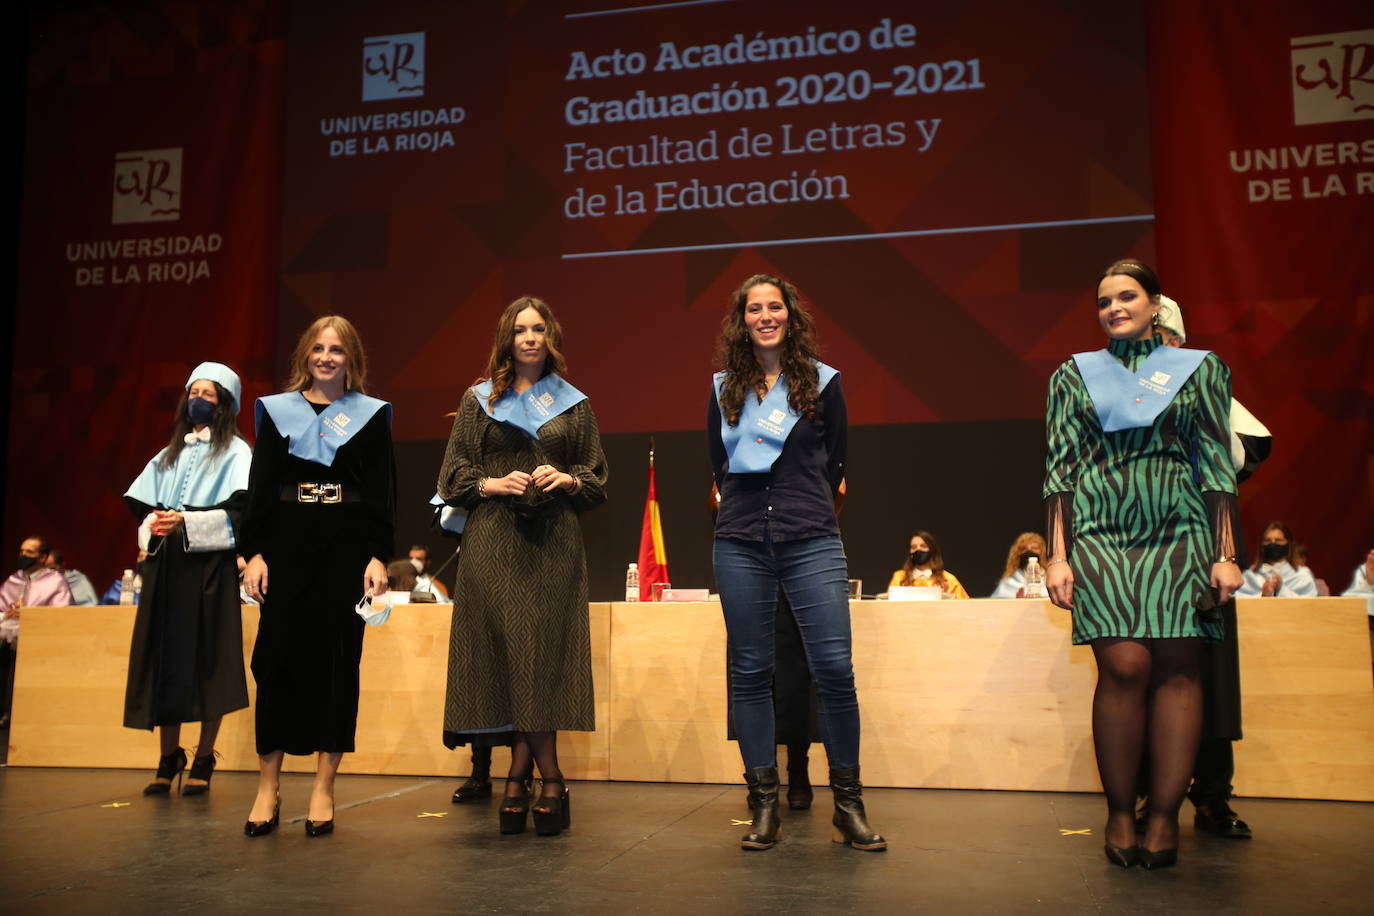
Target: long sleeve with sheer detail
{"points": [[1215, 472], [1066, 437]]}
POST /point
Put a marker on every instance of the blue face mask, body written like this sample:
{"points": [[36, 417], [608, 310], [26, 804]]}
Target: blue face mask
{"points": [[371, 615], [200, 411]]}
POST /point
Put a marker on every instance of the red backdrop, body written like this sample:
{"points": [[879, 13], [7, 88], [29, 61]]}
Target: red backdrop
{"points": [[1280, 288], [106, 334]]}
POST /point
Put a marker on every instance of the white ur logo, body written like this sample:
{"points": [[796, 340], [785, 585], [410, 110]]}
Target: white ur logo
{"points": [[394, 66], [147, 186], [1333, 77]]}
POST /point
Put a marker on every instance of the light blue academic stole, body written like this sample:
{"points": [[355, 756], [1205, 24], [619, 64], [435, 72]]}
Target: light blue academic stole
{"points": [[756, 441], [316, 437], [196, 479], [1129, 400], [544, 400]]}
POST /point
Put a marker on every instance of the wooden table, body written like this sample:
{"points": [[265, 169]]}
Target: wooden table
{"points": [[980, 694]]}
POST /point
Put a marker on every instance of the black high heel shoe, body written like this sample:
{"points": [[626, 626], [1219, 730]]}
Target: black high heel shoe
{"points": [[1164, 858], [169, 767], [320, 828], [263, 828], [1124, 856], [556, 815], [201, 768], [514, 808], [473, 790]]}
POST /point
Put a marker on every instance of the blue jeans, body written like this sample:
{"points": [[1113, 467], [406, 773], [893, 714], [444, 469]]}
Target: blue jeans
{"points": [[814, 575]]}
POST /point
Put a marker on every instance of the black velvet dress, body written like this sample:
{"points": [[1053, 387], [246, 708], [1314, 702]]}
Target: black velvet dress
{"points": [[310, 640]]}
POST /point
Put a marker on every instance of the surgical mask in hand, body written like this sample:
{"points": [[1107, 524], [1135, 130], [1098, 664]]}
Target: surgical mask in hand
{"points": [[370, 615]]}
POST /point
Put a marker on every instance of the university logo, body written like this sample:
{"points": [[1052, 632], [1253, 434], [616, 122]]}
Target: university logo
{"points": [[1161, 378], [394, 67], [343, 420], [147, 186], [1333, 77], [776, 416], [546, 399]]}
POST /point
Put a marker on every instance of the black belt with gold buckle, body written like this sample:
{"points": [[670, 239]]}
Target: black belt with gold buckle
{"points": [[310, 492]]}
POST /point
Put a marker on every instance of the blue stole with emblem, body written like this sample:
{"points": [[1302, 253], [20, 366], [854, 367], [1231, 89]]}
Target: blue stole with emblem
{"points": [[544, 400], [1130, 400], [316, 437], [196, 479], [756, 441]]}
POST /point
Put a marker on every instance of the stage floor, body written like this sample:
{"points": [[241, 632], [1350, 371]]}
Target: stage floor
{"points": [[640, 848]]}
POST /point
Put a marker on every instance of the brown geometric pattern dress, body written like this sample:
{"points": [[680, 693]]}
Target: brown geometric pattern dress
{"points": [[520, 648]]}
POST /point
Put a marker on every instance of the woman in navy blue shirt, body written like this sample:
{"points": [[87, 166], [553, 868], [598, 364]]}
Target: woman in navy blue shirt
{"points": [[778, 432]]}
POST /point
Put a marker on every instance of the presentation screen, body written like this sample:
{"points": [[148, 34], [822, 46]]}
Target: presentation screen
{"points": [[942, 182]]}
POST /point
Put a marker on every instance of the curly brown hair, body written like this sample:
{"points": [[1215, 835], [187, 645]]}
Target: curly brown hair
{"points": [[800, 352], [501, 363]]}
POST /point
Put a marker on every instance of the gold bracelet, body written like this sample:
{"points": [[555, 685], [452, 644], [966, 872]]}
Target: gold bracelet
{"points": [[1226, 559], [1054, 561], [482, 487]]}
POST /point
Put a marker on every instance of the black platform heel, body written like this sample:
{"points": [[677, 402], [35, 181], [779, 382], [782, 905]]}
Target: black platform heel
{"points": [[263, 828], [169, 767], [557, 814], [201, 768], [515, 808]]}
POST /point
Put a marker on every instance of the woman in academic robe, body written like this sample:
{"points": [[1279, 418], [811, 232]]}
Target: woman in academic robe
{"points": [[1028, 544], [925, 566], [524, 459], [186, 660], [318, 533], [1276, 573], [1141, 514], [777, 430]]}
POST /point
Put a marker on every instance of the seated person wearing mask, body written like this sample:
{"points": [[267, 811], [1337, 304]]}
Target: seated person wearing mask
{"points": [[1275, 572], [925, 565], [33, 584], [1027, 544]]}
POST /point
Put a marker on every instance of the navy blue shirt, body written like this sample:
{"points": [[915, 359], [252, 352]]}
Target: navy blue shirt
{"points": [[796, 499]]}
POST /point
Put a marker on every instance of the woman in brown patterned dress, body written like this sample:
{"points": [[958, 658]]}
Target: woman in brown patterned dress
{"points": [[524, 458]]}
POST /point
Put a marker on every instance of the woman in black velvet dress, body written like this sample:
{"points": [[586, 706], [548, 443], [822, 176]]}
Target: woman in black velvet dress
{"points": [[318, 531]]}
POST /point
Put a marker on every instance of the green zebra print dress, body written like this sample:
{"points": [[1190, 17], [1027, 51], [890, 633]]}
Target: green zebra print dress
{"points": [[1141, 542]]}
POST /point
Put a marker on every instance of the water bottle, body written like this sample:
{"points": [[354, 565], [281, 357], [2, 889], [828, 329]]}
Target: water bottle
{"points": [[1035, 579], [126, 587], [632, 582]]}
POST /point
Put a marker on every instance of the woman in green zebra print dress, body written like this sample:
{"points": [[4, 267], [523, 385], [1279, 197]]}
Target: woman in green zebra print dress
{"points": [[1140, 501]]}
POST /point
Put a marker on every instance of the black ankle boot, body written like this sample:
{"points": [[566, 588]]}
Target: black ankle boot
{"points": [[763, 802], [851, 822], [799, 792]]}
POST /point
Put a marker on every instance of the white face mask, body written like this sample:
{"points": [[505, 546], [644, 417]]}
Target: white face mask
{"points": [[418, 564], [370, 615]]}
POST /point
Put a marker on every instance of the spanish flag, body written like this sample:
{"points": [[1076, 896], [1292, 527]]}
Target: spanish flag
{"points": [[653, 557]]}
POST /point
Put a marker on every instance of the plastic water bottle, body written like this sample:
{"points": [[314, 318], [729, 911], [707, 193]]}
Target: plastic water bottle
{"points": [[1035, 579], [126, 587], [632, 582]]}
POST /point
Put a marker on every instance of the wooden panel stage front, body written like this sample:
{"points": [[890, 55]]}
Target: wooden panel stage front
{"points": [[981, 694]]}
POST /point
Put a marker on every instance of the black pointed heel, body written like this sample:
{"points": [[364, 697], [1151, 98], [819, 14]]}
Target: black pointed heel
{"points": [[201, 768], [169, 767], [319, 828], [263, 828], [553, 813], [1124, 856], [1165, 858], [515, 808]]}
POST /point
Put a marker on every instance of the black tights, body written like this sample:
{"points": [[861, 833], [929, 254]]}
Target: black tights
{"points": [[531, 749], [1146, 683]]}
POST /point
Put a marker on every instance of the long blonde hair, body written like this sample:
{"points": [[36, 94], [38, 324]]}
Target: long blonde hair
{"points": [[355, 369], [1018, 546]]}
